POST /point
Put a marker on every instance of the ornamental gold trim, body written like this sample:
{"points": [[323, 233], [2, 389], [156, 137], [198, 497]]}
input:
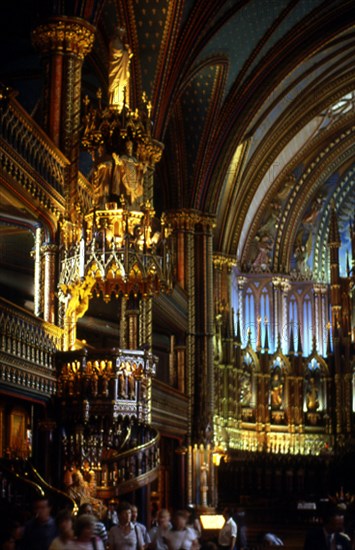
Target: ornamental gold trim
{"points": [[221, 261], [64, 35]]}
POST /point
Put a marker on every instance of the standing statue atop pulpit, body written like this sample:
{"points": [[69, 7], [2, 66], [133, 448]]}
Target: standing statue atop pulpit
{"points": [[118, 79]]}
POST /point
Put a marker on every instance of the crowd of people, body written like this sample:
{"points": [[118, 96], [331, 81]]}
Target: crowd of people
{"points": [[120, 529]]}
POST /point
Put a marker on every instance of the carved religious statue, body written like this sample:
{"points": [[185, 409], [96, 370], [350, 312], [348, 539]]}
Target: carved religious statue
{"points": [[203, 483], [276, 391], [129, 174], [118, 80], [246, 392], [77, 297], [312, 401], [118, 175]]}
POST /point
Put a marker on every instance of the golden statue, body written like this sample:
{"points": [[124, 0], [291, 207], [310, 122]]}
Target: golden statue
{"points": [[203, 483], [78, 296], [118, 79], [102, 177], [312, 401], [129, 179], [276, 391]]}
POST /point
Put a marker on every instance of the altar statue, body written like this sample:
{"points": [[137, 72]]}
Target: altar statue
{"points": [[203, 483], [312, 400], [276, 391]]}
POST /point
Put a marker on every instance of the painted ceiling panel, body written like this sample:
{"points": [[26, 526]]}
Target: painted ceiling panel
{"points": [[308, 68], [188, 5], [241, 34], [150, 22], [285, 99], [194, 104], [297, 13], [185, 104], [270, 176]]}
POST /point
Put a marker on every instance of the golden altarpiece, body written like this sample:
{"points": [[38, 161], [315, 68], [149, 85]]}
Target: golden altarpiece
{"points": [[284, 406]]}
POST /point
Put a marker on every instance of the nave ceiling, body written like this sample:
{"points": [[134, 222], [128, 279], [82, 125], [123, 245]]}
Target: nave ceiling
{"points": [[246, 98]]}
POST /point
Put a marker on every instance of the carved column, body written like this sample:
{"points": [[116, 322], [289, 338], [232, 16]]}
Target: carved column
{"points": [[146, 323], [324, 317], [64, 42], [49, 256], [123, 324], [241, 283], [319, 317], [222, 286], [276, 321], [204, 386], [132, 326], [38, 273], [183, 223], [285, 329], [181, 367]]}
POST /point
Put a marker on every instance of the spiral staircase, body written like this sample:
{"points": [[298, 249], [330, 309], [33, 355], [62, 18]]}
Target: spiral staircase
{"points": [[104, 411], [101, 409]]}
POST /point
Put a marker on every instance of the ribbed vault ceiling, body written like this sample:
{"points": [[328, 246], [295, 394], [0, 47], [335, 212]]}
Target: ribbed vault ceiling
{"points": [[241, 93]]}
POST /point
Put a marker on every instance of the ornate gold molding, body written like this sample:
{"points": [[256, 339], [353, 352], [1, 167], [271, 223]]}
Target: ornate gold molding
{"points": [[64, 35], [187, 219], [221, 261]]}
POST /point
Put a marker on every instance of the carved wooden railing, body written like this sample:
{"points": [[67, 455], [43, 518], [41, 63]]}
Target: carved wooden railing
{"points": [[126, 471], [28, 156], [27, 349]]}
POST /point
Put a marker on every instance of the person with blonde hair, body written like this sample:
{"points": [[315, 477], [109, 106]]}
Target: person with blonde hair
{"points": [[85, 538]]}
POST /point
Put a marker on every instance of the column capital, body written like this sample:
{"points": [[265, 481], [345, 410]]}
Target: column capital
{"points": [[220, 261], [49, 248], [67, 35], [285, 285], [277, 281], [320, 288], [241, 281], [186, 219]]}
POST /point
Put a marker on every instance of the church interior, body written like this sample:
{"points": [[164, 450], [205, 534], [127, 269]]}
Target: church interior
{"points": [[177, 252]]}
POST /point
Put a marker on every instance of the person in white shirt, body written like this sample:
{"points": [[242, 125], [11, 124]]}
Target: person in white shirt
{"points": [[181, 537], [142, 527], [228, 534], [125, 535], [158, 532]]}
